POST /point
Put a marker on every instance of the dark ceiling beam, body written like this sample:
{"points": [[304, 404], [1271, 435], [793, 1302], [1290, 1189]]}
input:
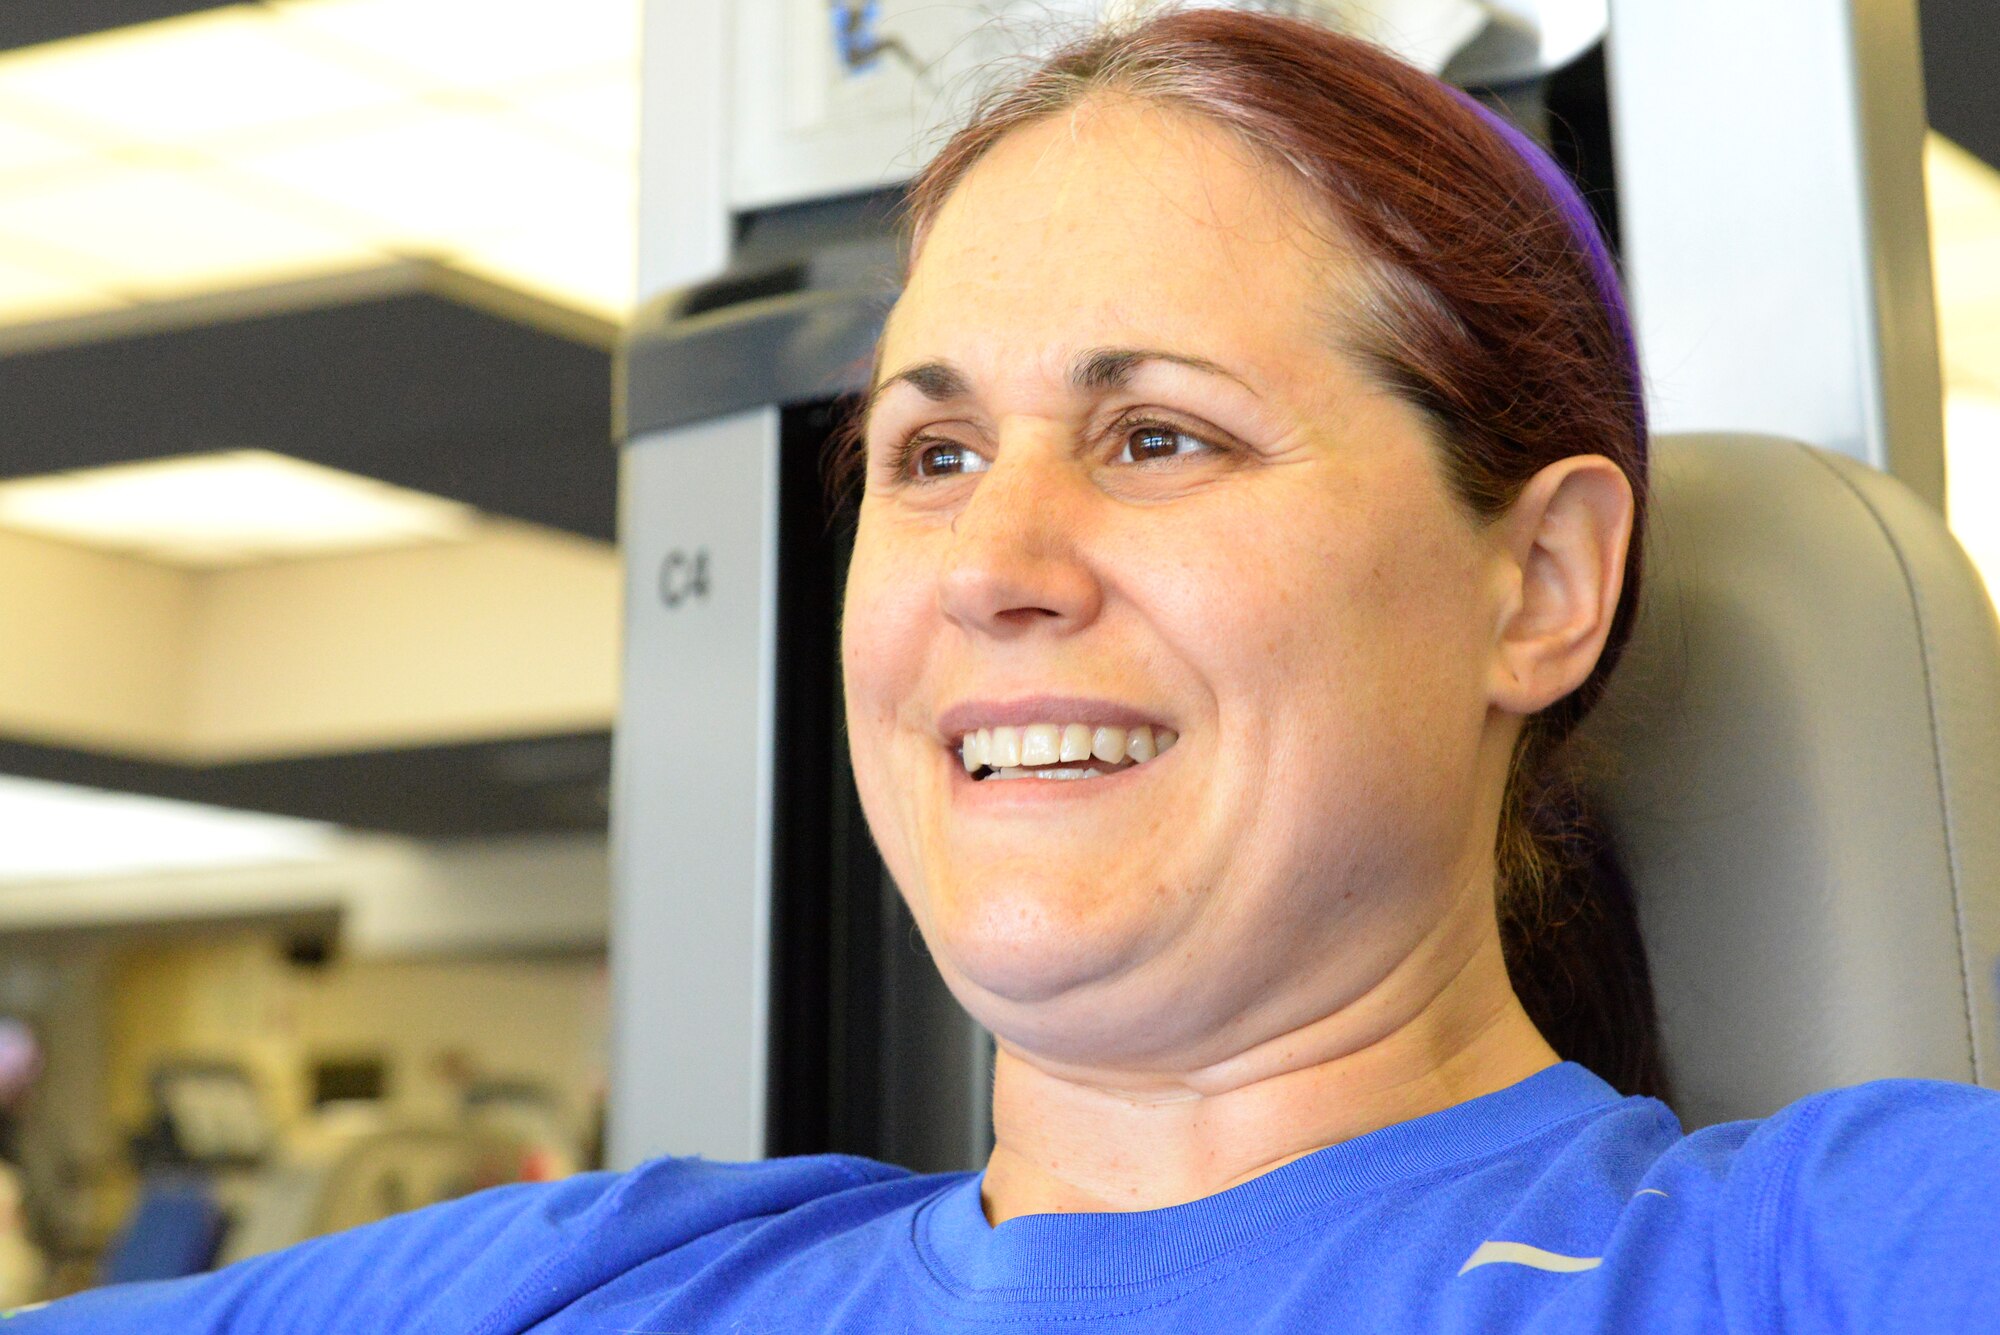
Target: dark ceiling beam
{"points": [[1962, 73], [30, 22], [514, 786], [407, 384]]}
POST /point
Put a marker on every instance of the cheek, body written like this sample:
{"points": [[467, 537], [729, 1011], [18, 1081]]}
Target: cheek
{"points": [[1342, 641], [887, 622], [1403, 711], [882, 627], [1312, 598]]}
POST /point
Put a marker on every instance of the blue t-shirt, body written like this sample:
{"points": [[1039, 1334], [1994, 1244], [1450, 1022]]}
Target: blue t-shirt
{"points": [[1551, 1206]]}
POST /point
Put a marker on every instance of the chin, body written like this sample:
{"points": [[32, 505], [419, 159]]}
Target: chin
{"points": [[1028, 940], [1080, 1017]]}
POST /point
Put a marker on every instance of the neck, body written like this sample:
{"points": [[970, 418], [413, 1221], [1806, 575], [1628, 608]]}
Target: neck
{"points": [[1069, 1139]]}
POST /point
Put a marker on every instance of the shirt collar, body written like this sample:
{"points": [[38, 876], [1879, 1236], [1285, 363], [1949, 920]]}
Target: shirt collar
{"points": [[1068, 1251]]}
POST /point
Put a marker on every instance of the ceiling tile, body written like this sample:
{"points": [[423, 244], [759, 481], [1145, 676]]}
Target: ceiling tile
{"points": [[475, 43], [268, 141], [27, 293], [599, 113], [26, 147], [1972, 477], [208, 74], [56, 831], [443, 177], [209, 511], [168, 233], [580, 264]]}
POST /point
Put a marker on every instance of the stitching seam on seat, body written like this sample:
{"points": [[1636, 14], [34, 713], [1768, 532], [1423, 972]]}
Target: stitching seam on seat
{"points": [[1965, 969]]}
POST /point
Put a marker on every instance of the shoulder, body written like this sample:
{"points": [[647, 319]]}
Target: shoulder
{"points": [[498, 1260], [1914, 1148], [1887, 1134], [1869, 1207]]}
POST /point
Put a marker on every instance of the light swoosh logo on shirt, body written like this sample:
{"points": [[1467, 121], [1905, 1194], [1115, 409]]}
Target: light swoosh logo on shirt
{"points": [[1520, 1253]]}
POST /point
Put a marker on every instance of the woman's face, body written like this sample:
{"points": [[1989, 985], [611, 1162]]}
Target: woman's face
{"points": [[1121, 475]]}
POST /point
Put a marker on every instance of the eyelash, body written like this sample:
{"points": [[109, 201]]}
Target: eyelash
{"points": [[903, 463]]}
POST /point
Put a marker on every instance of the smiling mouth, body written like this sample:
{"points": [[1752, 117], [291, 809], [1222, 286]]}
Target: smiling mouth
{"points": [[1060, 751]]}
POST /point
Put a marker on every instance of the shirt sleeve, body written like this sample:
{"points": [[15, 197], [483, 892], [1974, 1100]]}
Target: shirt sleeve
{"points": [[1882, 1210], [493, 1263], [439, 1268]]}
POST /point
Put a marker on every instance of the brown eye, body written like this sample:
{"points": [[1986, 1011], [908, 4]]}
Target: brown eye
{"points": [[943, 458], [1145, 443]]}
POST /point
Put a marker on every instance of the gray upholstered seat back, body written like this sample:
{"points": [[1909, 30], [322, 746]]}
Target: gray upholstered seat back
{"points": [[1800, 766]]}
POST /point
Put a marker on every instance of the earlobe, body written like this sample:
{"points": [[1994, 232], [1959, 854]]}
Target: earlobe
{"points": [[1566, 538]]}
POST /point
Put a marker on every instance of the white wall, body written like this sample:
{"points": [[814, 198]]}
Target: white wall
{"points": [[93, 648], [513, 633]]}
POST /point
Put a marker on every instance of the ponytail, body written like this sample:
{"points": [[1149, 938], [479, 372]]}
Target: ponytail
{"points": [[1568, 926]]}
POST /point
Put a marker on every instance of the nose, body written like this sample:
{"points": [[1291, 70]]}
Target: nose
{"points": [[1018, 563]]}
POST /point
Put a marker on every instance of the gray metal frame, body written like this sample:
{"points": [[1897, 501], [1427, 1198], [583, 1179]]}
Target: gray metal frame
{"points": [[691, 792], [684, 143], [1770, 187], [794, 348]]}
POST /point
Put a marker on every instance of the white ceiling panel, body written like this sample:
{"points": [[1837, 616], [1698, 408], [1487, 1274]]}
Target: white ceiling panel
{"points": [[233, 508], [599, 113], [595, 268], [37, 294], [442, 177], [184, 80], [477, 43], [260, 142], [54, 831], [26, 147], [168, 233]]}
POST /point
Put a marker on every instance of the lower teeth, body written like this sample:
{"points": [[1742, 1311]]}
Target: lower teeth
{"points": [[1009, 772]]}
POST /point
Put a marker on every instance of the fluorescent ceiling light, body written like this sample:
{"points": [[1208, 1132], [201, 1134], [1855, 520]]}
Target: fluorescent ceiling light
{"points": [[594, 268], [51, 831], [209, 73], [1964, 199], [475, 43], [1972, 474], [435, 179], [28, 290], [1963, 194], [598, 112], [27, 148], [228, 509], [162, 233], [253, 144]]}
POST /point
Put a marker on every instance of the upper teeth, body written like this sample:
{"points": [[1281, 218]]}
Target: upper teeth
{"points": [[1041, 744]]}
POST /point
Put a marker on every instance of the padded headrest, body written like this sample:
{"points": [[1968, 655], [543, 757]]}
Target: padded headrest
{"points": [[1799, 764]]}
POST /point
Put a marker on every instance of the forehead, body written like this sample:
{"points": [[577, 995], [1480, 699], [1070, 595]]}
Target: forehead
{"points": [[1113, 223]]}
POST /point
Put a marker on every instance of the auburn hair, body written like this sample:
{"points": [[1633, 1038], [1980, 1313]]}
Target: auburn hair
{"points": [[1490, 302]]}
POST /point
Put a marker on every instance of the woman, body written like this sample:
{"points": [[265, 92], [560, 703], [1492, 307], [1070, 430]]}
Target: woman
{"points": [[1253, 469]]}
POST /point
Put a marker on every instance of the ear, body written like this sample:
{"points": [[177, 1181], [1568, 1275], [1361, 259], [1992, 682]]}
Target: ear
{"points": [[1565, 540]]}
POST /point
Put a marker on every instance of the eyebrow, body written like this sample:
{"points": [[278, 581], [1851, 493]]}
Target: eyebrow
{"points": [[1095, 370], [1111, 368]]}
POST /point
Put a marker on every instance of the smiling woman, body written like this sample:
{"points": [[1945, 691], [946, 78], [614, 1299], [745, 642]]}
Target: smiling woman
{"points": [[1252, 475], [1342, 542], [1428, 296]]}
